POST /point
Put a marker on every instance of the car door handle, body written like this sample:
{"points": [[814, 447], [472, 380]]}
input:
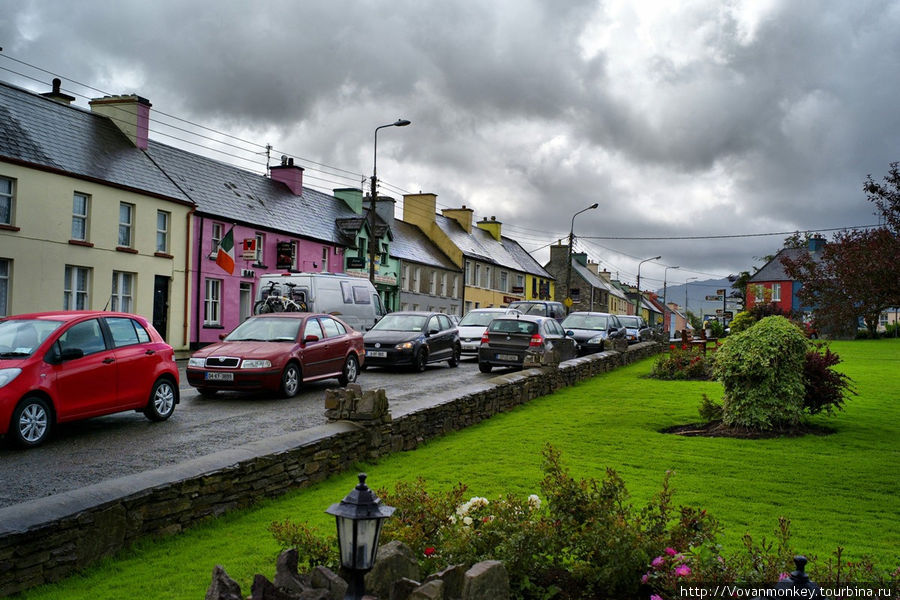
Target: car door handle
{"points": [[150, 351], [108, 360]]}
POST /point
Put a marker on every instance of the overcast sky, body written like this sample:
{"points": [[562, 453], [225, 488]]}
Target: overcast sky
{"points": [[693, 118]]}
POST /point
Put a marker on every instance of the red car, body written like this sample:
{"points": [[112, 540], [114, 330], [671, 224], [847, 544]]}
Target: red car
{"points": [[70, 365], [277, 352]]}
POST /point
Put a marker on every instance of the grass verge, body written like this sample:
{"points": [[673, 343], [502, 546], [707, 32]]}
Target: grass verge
{"points": [[837, 490]]}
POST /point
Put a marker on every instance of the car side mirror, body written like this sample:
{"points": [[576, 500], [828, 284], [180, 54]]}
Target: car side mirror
{"points": [[70, 354], [221, 337], [433, 331], [310, 338]]}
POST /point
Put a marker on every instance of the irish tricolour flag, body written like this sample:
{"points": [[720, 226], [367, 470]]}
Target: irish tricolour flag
{"points": [[225, 257]]}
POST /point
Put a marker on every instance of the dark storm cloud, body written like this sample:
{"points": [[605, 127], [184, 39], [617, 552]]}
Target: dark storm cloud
{"points": [[678, 120]]}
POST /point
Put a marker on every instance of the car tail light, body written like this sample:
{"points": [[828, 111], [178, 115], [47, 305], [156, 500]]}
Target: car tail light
{"points": [[484, 338], [536, 341]]}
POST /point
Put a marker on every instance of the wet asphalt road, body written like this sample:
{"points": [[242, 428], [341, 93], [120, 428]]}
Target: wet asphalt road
{"points": [[86, 452]]}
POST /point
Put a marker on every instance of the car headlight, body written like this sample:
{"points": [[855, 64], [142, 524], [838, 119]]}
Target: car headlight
{"points": [[597, 339], [197, 362], [7, 375], [256, 364], [405, 346]]}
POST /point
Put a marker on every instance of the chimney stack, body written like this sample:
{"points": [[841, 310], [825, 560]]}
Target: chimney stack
{"points": [[493, 227], [130, 113], [288, 174], [463, 216]]}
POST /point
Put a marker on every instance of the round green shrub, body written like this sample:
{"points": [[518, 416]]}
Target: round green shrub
{"points": [[743, 320], [761, 369]]}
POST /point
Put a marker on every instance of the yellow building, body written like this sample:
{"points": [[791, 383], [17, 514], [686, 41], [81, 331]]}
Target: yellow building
{"points": [[87, 221]]}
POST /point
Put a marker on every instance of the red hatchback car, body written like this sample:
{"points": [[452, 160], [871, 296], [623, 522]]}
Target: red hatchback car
{"points": [[277, 352], [70, 365]]}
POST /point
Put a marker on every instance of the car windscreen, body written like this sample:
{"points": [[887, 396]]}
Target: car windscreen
{"points": [[266, 329], [592, 322], [394, 322], [478, 319], [530, 309], [512, 326], [630, 322], [21, 337]]}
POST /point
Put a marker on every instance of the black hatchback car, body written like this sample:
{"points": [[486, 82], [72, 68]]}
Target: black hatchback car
{"points": [[509, 340], [412, 339], [593, 330]]}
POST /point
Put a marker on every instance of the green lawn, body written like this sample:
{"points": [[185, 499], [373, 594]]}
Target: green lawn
{"points": [[837, 490]]}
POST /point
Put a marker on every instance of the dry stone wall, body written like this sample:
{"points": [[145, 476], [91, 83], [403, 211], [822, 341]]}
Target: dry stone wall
{"points": [[50, 538]]}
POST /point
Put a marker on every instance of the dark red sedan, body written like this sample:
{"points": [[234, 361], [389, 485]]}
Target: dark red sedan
{"points": [[277, 352], [70, 365]]}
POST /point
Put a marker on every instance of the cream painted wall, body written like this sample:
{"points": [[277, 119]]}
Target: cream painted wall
{"points": [[40, 249]]}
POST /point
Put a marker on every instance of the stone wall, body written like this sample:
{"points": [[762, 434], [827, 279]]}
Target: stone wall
{"points": [[50, 538]]}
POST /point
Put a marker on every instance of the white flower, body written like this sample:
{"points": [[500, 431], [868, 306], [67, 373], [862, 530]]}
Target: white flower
{"points": [[467, 521], [534, 502]]}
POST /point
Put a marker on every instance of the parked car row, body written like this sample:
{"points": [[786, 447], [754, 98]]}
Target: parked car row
{"points": [[68, 365]]}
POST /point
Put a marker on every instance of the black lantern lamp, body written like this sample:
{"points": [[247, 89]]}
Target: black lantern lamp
{"points": [[359, 517], [799, 580]]}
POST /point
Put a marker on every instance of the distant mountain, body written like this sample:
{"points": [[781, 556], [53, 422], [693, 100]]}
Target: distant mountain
{"points": [[697, 291]]}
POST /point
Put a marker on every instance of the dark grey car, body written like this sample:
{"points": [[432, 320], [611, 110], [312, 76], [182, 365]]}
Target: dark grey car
{"points": [[511, 339], [593, 330], [412, 339]]}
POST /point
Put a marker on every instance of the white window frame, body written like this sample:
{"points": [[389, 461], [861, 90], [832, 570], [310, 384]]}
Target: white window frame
{"points": [[487, 278], [122, 293], [504, 281], [432, 283], [162, 231], [520, 282], [468, 272], [444, 277], [5, 277], [476, 276], [260, 245], [212, 302], [325, 258], [776, 292], [126, 227], [406, 272], [417, 277], [8, 201], [216, 233], [77, 290], [80, 218]]}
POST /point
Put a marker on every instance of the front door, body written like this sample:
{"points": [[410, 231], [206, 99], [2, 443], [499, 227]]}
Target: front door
{"points": [[161, 305]]}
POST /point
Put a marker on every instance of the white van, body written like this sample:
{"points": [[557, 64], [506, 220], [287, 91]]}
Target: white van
{"points": [[353, 299]]}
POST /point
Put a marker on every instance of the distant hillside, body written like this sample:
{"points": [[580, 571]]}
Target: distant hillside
{"points": [[697, 291]]}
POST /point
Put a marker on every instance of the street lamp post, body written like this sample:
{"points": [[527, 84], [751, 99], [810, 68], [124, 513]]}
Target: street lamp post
{"points": [[397, 123], [569, 256], [639, 298], [686, 281], [666, 304]]}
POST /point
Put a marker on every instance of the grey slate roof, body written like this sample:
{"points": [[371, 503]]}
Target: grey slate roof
{"points": [[411, 244], [774, 270], [590, 277], [529, 265], [231, 193], [482, 246], [76, 142]]}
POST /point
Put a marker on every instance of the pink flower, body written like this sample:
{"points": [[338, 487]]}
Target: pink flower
{"points": [[657, 562], [683, 571], [671, 551], [656, 597], [784, 576], [645, 578]]}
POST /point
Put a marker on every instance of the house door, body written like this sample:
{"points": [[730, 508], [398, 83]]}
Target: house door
{"points": [[161, 305], [246, 300]]}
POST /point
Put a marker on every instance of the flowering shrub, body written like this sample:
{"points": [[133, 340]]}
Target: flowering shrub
{"points": [[682, 363]]}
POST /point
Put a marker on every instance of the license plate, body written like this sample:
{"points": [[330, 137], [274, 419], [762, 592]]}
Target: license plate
{"points": [[508, 357], [219, 376], [376, 353]]}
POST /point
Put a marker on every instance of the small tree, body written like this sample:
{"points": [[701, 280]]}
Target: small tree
{"points": [[761, 369]]}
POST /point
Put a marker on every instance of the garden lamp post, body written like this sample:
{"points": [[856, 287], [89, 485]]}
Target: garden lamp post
{"points": [[666, 304], [639, 298], [397, 123], [567, 291], [359, 518]]}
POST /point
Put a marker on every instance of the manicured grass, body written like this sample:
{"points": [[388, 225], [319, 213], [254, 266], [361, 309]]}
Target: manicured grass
{"points": [[837, 490]]}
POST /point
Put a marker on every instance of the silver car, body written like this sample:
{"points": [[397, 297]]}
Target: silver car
{"points": [[474, 324]]}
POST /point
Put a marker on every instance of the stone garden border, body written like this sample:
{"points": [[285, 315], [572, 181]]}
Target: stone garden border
{"points": [[47, 539]]}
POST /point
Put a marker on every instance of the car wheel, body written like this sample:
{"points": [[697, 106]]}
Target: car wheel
{"points": [[290, 380], [207, 393], [351, 371], [420, 360], [162, 401], [485, 367], [31, 422], [454, 356]]}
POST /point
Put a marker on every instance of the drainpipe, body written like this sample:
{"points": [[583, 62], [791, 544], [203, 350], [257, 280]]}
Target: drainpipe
{"points": [[187, 279], [199, 261]]}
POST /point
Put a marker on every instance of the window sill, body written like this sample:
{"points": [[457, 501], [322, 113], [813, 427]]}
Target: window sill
{"points": [[126, 250], [205, 326], [81, 243], [163, 255], [259, 266], [5, 227]]}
